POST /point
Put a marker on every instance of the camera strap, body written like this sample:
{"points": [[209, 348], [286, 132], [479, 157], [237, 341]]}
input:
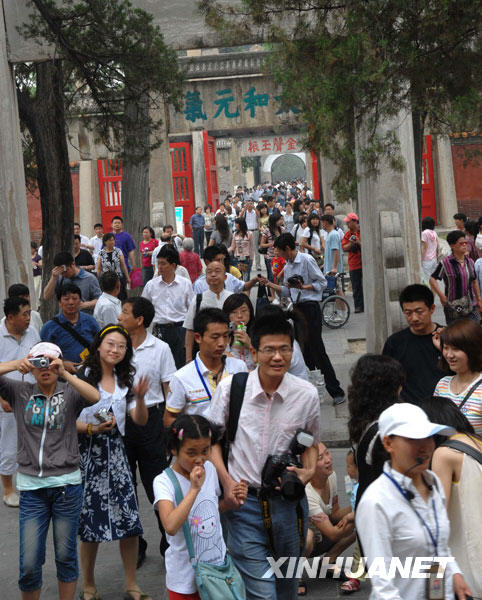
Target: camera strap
{"points": [[263, 497]]}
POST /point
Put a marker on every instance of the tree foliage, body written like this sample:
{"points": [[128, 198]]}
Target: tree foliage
{"points": [[348, 61]]}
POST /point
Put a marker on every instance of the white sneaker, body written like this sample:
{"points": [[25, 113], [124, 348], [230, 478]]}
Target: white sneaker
{"points": [[12, 500]]}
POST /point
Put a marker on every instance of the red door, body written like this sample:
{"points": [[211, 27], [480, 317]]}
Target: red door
{"points": [[182, 181], [429, 208], [211, 170], [110, 190]]}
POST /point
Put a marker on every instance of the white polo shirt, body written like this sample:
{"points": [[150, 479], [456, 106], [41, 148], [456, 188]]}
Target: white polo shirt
{"points": [[209, 300], [191, 392], [153, 359]]}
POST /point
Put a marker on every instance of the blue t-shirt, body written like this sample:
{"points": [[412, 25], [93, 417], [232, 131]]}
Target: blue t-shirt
{"points": [[124, 242], [86, 326], [332, 243]]}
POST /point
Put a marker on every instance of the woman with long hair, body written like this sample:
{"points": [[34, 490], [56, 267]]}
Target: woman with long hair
{"points": [[240, 311], [242, 248], [110, 511], [146, 248], [313, 238], [222, 235], [461, 346], [208, 222], [376, 383], [273, 230], [288, 216]]}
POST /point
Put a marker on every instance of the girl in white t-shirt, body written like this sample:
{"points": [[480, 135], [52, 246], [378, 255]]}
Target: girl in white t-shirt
{"points": [[189, 441]]}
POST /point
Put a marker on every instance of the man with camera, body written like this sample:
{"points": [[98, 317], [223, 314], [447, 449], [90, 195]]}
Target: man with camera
{"points": [[273, 449], [304, 284], [351, 244]]}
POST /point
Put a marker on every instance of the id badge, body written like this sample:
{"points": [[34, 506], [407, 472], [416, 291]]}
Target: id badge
{"points": [[435, 583]]}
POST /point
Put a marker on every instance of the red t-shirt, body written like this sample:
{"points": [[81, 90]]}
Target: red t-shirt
{"points": [[191, 262], [354, 258], [147, 247]]}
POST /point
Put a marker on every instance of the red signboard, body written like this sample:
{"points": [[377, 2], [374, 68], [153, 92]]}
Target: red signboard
{"points": [[110, 190]]}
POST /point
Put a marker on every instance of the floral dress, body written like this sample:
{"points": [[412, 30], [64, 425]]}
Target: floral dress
{"points": [[110, 261], [109, 510]]}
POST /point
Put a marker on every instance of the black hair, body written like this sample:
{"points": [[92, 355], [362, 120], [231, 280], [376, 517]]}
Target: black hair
{"points": [[98, 225], [266, 325], [108, 281], [375, 381], [34, 245], [297, 204], [141, 307], [235, 301], [243, 228], [108, 236], [273, 226], [460, 217], [208, 206], [18, 289], [124, 370], [77, 224], [12, 305], [262, 205], [417, 293], [221, 224], [314, 215], [328, 219], [466, 335], [275, 312], [211, 252], [167, 227], [76, 236], [454, 236], [428, 223], [118, 218], [330, 204], [285, 240], [151, 231], [63, 259], [472, 227], [170, 254], [206, 316], [444, 411], [69, 288], [187, 427]]}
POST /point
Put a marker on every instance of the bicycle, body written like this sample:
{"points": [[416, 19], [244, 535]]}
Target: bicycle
{"points": [[335, 310]]}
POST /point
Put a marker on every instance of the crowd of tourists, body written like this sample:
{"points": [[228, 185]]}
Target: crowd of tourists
{"points": [[200, 386]]}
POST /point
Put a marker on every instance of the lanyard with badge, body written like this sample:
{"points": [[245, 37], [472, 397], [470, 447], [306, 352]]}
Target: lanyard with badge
{"points": [[435, 583], [203, 381]]}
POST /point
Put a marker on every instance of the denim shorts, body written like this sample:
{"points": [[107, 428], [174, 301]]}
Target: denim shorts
{"points": [[37, 508]]}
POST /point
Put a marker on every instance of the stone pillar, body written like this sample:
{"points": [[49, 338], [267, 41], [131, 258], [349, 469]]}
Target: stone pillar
{"points": [[89, 202], [15, 265], [388, 213], [235, 165], [160, 177], [444, 180], [199, 169]]}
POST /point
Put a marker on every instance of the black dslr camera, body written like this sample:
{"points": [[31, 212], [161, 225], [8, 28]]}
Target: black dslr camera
{"points": [[295, 281], [274, 469]]}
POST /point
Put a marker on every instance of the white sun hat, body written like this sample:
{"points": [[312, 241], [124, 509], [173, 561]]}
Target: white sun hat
{"points": [[45, 349], [410, 421]]}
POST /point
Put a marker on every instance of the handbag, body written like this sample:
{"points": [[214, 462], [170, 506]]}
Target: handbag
{"points": [[459, 308], [214, 582]]}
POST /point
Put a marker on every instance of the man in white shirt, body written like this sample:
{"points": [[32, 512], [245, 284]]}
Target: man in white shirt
{"points": [[250, 215], [275, 407], [192, 387], [84, 240], [108, 305], [19, 289], [96, 241], [213, 297], [16, 339], [171, 295], [145, 445]]}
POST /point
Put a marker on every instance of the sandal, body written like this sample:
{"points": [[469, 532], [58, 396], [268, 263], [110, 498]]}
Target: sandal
{"points": [[91, 595], [128, 595], [302, 587], [350, 586]]}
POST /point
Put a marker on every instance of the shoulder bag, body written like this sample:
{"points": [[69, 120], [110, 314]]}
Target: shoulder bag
{"points": [[463, 447], [460, 307], [214, 582], [76, 335]]}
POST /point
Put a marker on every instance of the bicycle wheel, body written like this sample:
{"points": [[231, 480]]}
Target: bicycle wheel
{"points": [[335, 312]]}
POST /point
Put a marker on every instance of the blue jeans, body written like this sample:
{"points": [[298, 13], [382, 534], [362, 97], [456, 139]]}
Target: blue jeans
{"points": [[245, 275], [269, 272], [247, 542], [198, 237], [37, 507]]}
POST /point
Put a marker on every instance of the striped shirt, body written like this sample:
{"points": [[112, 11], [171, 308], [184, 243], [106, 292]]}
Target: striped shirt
{"points": [[458, 279], [472, 408]]}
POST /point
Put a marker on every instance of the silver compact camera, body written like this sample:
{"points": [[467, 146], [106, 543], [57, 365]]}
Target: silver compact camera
{"points": [[103, 415], [40, 362]]}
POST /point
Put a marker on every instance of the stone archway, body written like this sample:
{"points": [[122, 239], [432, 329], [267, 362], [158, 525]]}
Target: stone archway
{"points": [[287, 167]]}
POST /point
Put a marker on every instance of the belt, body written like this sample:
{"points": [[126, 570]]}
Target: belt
{"points": [[252, 491], [178, 324], [158, 405]]}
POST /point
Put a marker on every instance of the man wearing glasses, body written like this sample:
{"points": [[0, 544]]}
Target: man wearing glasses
{"points": [[417, 347]]}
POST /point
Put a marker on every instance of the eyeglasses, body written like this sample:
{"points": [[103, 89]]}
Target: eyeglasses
{"points": [[269, 352]]}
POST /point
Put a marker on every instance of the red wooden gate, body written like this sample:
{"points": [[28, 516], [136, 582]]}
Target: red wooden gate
{"points": [[316, 181], [212, 190], [182, 180], [110, 190], [429, 208]]}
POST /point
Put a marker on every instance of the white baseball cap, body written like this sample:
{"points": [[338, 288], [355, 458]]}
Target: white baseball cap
{"points": [[45, 349], [410, 421]]}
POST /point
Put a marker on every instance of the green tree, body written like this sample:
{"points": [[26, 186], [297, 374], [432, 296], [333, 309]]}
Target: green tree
{"points": [[347, 62], [112, 67]]}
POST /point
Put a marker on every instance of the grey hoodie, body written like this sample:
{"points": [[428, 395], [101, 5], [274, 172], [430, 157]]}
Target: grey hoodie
{"points": [[46, 432]]}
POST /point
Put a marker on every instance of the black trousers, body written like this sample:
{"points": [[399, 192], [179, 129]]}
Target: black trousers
{"points": [[175, 338], [356, 277], [314, 352], [145, 448]]}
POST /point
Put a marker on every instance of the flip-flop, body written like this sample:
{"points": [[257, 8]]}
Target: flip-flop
{"points": [[128, 595], [91, 595], [350, 586]]}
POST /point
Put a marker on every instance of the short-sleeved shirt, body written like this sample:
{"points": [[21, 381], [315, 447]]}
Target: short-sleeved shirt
{"points": [[86, 326], [354, 258], [457, 278], [209, 300], [125, 242], [205, 527], [84, 259], [429, 236], [107, 309], [86, 282], [219, 241], [188, 392], [472, 408], [317, 506], [148, 247], [231, 283], [191, 262], [333, 243]]}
